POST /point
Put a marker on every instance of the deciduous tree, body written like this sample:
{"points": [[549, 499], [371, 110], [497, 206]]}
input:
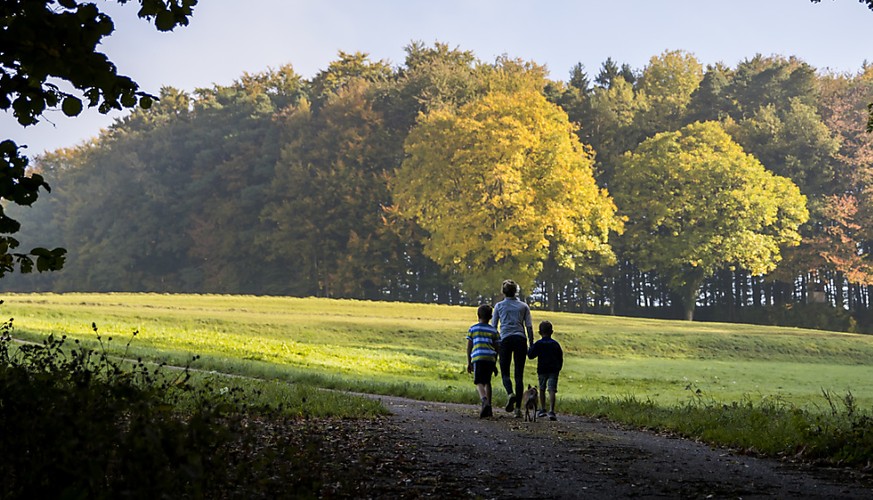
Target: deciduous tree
{"points": [[667, 83], [325, 201], [695, 203], [501, 184], [237, 143], [791, 140]]}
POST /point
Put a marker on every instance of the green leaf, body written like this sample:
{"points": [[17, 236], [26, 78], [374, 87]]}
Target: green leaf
{"points": [[145, 102], [71, 106], [25, 263], [165, 21], [49, 260], [128, 100]]}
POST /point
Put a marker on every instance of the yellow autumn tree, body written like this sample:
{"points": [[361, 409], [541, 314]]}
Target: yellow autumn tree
{"points": [[500, 185]]}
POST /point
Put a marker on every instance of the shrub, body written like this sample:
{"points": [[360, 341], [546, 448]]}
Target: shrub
{"points": [[769, 427], [77, 423]]}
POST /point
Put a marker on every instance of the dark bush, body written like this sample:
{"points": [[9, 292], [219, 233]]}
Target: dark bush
{"points": [[76, 423], [814, 316]]}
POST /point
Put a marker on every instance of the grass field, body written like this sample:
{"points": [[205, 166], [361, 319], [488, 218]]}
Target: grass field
{"points": [[418, 350]]}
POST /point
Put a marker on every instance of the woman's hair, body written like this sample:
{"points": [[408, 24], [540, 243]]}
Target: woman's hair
{"points": [[510, 288]]}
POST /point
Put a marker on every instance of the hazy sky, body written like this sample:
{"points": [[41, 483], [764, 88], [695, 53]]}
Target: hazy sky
{"points": [[229, 37]]}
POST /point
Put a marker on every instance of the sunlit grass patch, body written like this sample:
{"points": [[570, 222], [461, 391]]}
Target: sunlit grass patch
{"points": [[754, 388], [385, 346]]}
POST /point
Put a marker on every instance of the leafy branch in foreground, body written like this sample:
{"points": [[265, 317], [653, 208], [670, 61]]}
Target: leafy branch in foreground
{"points": [[45, 47], [869, 3], [21, 187]]}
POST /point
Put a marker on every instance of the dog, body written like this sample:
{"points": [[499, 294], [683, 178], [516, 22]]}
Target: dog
{"points": [[529, 403]]}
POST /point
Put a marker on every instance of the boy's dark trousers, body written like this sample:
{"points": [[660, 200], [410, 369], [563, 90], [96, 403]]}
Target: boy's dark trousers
{"points": [[513, 348]]}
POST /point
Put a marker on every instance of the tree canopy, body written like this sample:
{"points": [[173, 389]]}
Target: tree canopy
{"points": [[695, 202], [502, 184], [869, 4], [278, 184]]}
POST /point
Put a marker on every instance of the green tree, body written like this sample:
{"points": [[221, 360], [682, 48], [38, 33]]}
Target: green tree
{"points": [[579, 78], [668, 82], [501, 184], [431, 78], [348, 68], [763, 81], [710, 100], [791, 140], [326, 198], [775, 118], [237, 141], [122, 202], [696, 203], [610, 124], [610, 70], [43, 42]]}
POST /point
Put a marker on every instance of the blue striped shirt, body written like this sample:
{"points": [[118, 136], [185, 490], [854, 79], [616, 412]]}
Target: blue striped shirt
{"points": [[484, 338]]}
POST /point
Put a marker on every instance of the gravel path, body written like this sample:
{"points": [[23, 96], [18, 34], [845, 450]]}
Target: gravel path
{"points": [[451, 450]]}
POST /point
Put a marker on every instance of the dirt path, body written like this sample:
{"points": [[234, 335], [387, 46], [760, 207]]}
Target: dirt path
{"points": [[443, 450], [447, 448]]}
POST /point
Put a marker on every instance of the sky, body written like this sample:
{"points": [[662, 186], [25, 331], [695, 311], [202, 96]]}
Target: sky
{"points": [[227, 38]]}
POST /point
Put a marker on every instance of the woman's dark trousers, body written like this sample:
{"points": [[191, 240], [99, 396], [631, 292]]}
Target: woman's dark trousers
{"points": [[513, 348]]}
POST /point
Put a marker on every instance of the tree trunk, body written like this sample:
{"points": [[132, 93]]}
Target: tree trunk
{"points": [[689, 301], [839, 297], [613, 294], [730, 296], [756, 291], [552, 295], [688, 306]]}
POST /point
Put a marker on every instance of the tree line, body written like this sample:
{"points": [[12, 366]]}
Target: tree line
{"points": [[743, 192]]}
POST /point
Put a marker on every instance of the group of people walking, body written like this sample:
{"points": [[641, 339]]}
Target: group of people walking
{"points": [[505, 334]]}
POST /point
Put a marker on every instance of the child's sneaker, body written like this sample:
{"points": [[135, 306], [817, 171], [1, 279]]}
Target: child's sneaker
{"points": [[542, 414], [552, 416], [518, 413], [487, 411]]}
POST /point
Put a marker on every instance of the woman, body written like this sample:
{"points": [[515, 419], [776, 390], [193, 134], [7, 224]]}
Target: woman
{"points": [[513, 317]]}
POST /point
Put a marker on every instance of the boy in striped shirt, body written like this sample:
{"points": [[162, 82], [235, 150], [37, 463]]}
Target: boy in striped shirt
{"points": [[482, 339]]}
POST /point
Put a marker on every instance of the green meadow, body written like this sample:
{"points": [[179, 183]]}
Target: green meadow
{"points": [[417, 350]]}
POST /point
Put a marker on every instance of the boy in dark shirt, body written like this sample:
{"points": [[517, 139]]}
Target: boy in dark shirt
{"points": [[551, 360]]}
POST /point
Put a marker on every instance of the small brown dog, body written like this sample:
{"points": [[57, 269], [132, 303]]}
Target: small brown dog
{"points": [[529, 403]]}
